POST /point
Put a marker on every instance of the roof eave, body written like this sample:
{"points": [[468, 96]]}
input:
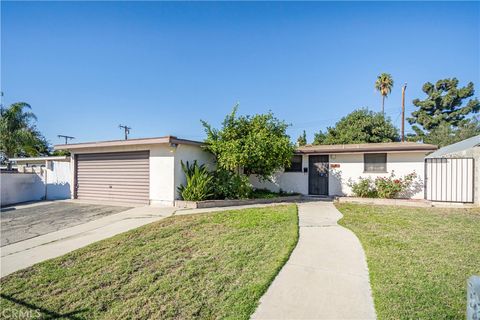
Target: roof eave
{"points": [[132, 142], [364, 150]]}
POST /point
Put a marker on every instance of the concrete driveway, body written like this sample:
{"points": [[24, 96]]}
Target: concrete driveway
{"points": [[28, 221]]}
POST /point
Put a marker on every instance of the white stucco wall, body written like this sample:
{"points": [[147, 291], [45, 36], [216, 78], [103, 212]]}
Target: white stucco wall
{"points": [[190, 153], [286, 181], [350, 168], [31, 186], [21, 187], [58, 180]]}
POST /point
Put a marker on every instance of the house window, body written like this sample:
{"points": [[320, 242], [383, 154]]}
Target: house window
{"points": [[375, 162], [296, 164]]}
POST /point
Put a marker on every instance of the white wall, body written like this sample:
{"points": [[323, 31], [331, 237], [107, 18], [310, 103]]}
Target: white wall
{"points": [[286, 181], [21, 187], [350, 168], [58, 180], [190, 153]]}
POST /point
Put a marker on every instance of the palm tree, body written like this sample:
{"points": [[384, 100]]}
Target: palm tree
{"points": [[18, 134], [384, 85]]}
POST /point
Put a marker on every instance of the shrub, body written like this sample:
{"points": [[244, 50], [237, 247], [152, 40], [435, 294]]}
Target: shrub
{"points": [[383, 187], [364, 188], [229, 185], [199, 182], [390, 187]]}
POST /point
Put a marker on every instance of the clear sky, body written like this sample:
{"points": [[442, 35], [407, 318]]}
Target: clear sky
{"points": [[86, 67]]}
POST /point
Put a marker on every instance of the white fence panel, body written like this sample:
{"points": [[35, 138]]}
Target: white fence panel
{"points": [[449, 179]]}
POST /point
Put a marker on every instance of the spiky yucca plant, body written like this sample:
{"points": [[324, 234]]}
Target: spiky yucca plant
{"points": [[198, 186]]}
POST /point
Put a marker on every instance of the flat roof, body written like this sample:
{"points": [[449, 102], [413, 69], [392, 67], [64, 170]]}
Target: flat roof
{"points": [[367, 147], [50, 158], [129, 142]]}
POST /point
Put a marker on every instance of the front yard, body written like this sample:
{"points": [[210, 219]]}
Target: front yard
{"points": [[214, 265], [419, 258]]}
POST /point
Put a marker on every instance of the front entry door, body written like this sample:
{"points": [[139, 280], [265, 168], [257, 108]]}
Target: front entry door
{"points": [[318, 175]]}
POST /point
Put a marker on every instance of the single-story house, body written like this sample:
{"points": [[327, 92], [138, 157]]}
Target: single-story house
{"points": [[453, 172], [326, 170], [148, 170], [136, 170]]}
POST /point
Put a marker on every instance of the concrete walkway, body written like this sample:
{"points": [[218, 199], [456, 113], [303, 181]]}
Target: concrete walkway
{"points": [[326, 276], [28, 252]]}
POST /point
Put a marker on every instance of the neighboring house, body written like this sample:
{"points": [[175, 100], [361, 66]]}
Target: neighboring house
{"points": [[326, 170], [144, 171], [453, 172], [37, 178]]}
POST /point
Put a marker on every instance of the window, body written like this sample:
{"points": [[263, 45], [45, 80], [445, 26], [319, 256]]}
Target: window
{"points": [[375, 162], [296, 164]]}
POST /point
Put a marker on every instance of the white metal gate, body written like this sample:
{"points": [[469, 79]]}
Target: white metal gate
{"points": [[449, 179]]}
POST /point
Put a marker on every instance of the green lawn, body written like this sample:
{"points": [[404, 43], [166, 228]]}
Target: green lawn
{"points": [[213, 266], [267, 194], [419, 258]]}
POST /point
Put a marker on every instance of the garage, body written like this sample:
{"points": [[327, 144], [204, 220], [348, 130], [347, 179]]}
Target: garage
{"points": [[113, 176]]}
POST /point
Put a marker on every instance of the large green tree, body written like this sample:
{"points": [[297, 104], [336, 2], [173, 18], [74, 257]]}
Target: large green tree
{"points": [[445, 134], [445, 107], [360, 126], [18, 134], [384, 85], [255, 144]]}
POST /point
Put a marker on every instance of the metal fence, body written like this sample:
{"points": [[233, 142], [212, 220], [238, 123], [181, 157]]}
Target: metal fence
{"points": [[449, 179]]}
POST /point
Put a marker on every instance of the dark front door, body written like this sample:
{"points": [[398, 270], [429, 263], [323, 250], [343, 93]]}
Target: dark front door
{"points": [[318, 175]]}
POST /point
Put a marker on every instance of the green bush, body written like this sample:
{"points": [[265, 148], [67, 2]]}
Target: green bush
{"points": [[199, 182], [229, 185], [364, 188], [390, 187], [383, 187]]}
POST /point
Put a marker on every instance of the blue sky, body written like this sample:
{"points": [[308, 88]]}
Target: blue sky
{"points": [[86, 67]]}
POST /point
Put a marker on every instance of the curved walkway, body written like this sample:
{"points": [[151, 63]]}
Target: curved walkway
{"points": [[326, 276]]}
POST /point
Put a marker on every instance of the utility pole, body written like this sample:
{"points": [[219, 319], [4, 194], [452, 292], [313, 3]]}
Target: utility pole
{"points": [[66, 138], [127, 130], [403, 111]]}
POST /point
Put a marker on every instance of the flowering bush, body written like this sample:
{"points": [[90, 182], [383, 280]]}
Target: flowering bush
{"points": [[383, 187], [365, 188]]}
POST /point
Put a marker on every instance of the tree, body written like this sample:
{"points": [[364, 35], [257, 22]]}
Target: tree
{"points": [[445, 134], [18, 134], [255, 144], [384, 85], [302, 140], [443, 107], [360, 126]]}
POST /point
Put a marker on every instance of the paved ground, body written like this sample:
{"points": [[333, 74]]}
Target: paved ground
{"points": [[26, 253], [326, 276], [28, 221]]}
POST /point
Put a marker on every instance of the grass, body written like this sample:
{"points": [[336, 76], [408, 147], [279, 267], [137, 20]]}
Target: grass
{"points": [[213, 266], [419, 258], [267, 194]]}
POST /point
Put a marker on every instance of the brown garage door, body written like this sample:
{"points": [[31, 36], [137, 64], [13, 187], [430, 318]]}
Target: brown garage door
{"points": [[116, 176]]}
